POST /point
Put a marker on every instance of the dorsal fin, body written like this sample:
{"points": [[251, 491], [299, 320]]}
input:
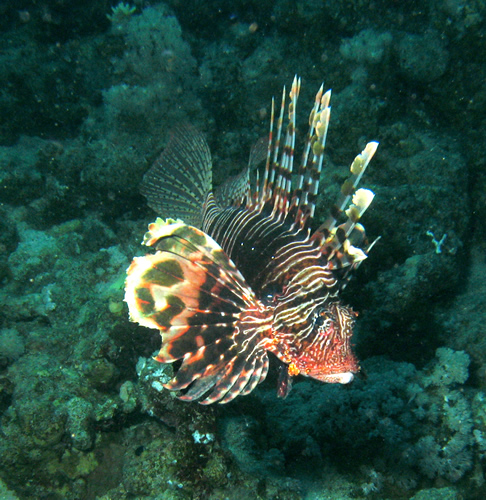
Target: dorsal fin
{"points": [[342, 245], [349, 186], [281, 206], [180, 180], [276, 185], [236, 190], [309, 174]]}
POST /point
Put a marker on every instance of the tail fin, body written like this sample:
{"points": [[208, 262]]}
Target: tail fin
{"points": [[180, 180]]}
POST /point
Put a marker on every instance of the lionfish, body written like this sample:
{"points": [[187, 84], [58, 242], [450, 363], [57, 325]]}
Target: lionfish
{"points": [[245, 274]]}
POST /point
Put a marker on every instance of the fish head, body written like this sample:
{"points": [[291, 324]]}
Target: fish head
{"points": [[326, 353]]}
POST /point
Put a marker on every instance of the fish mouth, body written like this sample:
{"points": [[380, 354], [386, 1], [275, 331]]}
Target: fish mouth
{"points": [[335, 378]]}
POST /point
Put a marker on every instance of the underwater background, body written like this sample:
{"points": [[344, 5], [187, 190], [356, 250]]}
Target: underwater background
{"points": [[89, 91]]}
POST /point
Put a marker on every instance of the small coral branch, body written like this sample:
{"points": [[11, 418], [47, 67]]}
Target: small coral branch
{"points": [[437, 243], [121, 12]]}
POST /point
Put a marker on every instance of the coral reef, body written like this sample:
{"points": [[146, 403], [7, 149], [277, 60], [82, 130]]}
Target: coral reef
{"points": [[11, 346], [422, 58], [90, 91], [412, 423]]}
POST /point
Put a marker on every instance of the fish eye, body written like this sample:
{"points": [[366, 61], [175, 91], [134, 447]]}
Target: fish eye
{"points": [[323, 316], [270, 293], [318, 320]]}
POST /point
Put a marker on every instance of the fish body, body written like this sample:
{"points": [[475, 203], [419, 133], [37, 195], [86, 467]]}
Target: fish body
{"points": [[240, 273]]}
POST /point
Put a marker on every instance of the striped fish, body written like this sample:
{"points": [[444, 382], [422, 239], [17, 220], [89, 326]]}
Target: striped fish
{"points": [[244, 274]]}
